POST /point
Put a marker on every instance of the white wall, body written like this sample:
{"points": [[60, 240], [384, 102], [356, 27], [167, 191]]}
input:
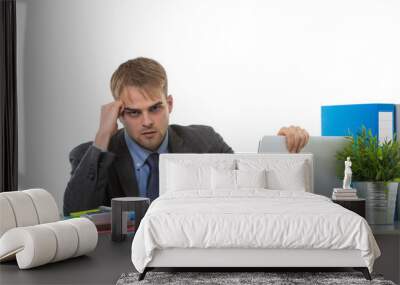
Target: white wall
{"points": [[245, 67]]}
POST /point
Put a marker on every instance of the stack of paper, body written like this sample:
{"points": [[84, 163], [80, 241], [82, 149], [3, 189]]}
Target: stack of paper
{"points": [[102, 220], [101, 217], [344, 194]]}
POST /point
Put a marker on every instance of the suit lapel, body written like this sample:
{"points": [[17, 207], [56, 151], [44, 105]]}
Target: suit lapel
{"points": [[124, 162], [124, 165], [175, 142]]}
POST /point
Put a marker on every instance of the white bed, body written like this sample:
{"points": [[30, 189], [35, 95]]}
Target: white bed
{"points": [[247, 210]]}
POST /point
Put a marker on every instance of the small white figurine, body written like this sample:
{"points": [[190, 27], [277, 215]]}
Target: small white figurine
{"points": [[347, 174]]}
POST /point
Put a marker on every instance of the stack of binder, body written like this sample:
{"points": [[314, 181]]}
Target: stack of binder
{"points": [[102, 220], [344, 194], [101, 217], [343, 120]]}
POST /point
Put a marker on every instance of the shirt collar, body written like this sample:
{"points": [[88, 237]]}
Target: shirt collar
{"points": [[140, 154]]}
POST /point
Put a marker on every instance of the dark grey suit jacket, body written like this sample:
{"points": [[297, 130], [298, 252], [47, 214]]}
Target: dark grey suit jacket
{"points": [[98, 176]]}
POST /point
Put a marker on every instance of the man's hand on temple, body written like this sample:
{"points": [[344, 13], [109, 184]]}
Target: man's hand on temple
{"points": [[108, 123], [296, 138]]}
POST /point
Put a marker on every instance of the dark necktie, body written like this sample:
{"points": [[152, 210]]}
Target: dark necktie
{"points": [[152, 184]]}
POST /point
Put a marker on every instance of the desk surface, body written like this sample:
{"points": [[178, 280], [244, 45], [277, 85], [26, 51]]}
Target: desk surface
{"points": [[393, 229], [104, 265]]}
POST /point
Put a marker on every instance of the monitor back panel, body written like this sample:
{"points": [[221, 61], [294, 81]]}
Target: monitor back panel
{"points": [[324, 151]]}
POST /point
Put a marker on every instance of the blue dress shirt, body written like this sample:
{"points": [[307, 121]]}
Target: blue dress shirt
{"points": [[139, 156]]}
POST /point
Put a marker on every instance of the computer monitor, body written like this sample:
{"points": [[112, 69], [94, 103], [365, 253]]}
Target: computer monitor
{"points": [[324, 150]]}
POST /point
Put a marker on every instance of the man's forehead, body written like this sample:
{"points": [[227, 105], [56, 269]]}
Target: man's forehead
{"points": [[139, 98], [141, 107]]}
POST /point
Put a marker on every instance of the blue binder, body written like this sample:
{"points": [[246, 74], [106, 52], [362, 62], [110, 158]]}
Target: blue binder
{"points": [[344, 120]]}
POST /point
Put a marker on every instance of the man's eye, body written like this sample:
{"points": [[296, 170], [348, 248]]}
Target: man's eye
{"points": [[132, 113], [155, 108]]}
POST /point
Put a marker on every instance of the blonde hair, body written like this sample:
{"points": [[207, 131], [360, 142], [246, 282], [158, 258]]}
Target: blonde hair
{"points": [[141, 72]]}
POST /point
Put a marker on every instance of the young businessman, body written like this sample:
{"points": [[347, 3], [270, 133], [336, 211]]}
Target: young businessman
{"points": [[124, 162]]}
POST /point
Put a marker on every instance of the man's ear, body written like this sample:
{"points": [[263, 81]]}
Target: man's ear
{"points": [[170, 103]]}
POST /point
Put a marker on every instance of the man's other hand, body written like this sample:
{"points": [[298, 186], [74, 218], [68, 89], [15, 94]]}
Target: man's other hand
{"points": [[296, 138], [108, 123]]}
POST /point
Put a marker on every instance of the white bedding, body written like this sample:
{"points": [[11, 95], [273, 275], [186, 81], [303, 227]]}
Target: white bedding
{"points": [[250, 218]]}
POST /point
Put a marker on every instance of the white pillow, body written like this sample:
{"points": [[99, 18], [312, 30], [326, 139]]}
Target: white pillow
{"points": [[188, 177], [251, 178], [195, 174], [295, 179], [223, 179], [282, 174], [227, 179]]}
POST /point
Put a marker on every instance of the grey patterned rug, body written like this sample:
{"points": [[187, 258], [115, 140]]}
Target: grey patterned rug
{"points": [[228, 278]]}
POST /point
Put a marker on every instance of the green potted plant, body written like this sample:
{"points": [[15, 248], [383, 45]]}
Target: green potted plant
{"points": [[376, 173]]}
